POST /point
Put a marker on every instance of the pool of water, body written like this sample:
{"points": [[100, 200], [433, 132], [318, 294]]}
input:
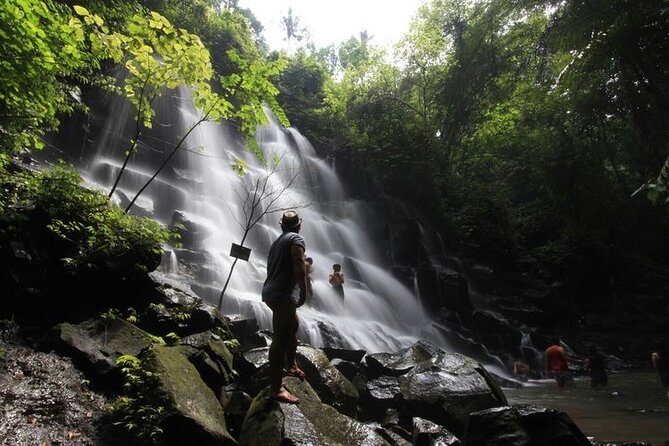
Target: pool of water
{"points": [[633, 407]]}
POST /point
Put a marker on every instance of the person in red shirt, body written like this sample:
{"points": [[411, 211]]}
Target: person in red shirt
{"points": [[557, 364]]}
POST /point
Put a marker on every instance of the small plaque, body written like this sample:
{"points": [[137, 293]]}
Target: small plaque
{"points": [[240, 252]]}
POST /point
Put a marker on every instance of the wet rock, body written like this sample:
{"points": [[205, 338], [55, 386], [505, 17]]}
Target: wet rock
{"points": [[95, 344], [427, 433], [311, 422], [345, 354], [331, 386], [330, 335], [194, 414], [399, 363], [251, 361], [446, 388], [392, 437], [523, 425], [382, 393]]}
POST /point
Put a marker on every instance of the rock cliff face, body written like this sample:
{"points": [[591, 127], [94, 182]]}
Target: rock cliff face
{"points": [[513, 310]]}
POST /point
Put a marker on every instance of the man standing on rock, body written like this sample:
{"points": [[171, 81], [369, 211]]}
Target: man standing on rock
{"points": [[284, 290]]}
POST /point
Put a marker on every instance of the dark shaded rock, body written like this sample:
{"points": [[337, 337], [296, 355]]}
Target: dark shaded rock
{"points": [[442, 287], [207, 317], [311, 422], [194, 414], [399, 363], [392, 437], [500, 425], [95, 345], [447, 388], [496, 332], [212, 359], [251, 361], [246, 331], [427, 433], [523, 425], [191, 232], [341, 353], [347, 368], [238, 404], [550, 427]]}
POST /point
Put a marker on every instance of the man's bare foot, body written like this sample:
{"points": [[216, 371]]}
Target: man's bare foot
{"points": [[296, 372], [284, 396]]}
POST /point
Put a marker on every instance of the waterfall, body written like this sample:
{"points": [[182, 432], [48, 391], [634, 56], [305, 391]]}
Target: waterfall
{"points": [[201, 188]]}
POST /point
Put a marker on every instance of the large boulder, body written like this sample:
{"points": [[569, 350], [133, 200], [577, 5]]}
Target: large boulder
{"points": [[194, 414], [523, 425], [310, 422], [329, 383], [96, 344], [447, 388]]}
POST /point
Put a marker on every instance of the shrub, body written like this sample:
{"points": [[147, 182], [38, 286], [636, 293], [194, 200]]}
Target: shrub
{"points": [[94, 231]]}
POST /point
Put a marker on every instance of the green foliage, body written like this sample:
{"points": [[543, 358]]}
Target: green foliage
{"points": [[94, 231], [528, 124], [138, 410], [45, 60], [110, 316], [251, 90], [172, 338]]}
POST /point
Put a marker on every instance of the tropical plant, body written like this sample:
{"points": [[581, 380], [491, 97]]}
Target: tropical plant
{"points": [[138, 410]]}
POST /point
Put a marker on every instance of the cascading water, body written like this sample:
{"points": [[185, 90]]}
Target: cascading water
{"points": [[200, 187]]}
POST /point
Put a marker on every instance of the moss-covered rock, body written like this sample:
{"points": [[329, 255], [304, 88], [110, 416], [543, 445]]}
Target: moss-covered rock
{"points": [[96, 344], [212, 359], [194, 414]]}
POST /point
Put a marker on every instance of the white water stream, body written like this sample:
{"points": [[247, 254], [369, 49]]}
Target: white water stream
{"points": [[379, 313]]}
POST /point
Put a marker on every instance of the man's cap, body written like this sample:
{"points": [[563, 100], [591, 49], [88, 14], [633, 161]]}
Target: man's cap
{"points": [[290, 219]]}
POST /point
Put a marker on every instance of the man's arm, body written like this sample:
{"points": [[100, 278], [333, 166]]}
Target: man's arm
{"points": [[341, 276], [300, 271]]}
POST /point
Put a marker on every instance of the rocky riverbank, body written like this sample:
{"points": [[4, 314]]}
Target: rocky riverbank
{"points": [[71, 385]]}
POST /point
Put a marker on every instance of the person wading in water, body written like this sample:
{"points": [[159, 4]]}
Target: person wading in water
{"points": [[285, 290], [660, 360], [557, 365], [337, 280]]}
